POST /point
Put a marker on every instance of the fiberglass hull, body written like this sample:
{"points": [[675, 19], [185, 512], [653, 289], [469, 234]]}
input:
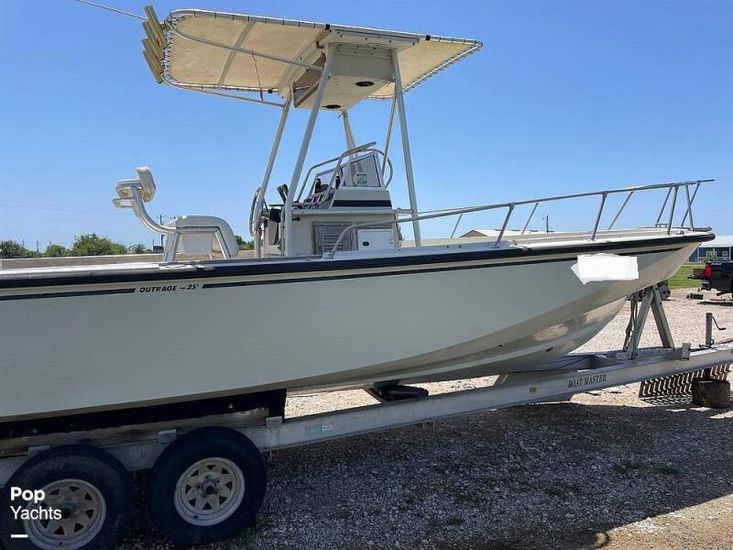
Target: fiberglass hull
{"points": [[75, 344]]}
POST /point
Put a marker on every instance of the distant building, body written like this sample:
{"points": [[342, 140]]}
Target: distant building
{"points": [[720, 248]]}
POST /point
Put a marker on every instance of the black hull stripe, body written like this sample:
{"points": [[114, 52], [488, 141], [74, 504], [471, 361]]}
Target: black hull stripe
{"points": [[67, 294], [327, 277], [413, 271], [215, 269]]}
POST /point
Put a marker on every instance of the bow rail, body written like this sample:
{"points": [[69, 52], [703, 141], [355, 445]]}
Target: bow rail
{"points": [[673, 189]]}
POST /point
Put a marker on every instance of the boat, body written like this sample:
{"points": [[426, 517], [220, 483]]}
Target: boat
{"points": [[342, 291]]}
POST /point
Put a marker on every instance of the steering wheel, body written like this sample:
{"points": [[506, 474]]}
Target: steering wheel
{"points": [[255, 211]]}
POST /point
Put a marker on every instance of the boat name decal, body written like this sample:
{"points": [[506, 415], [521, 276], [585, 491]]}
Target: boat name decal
{"points": [[170, 288], [586, 380]]}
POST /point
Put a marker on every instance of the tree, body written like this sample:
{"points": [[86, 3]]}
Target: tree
{"points": [[244, 245], [55, 251], [93, 245], [13, 249], [138, 249]]}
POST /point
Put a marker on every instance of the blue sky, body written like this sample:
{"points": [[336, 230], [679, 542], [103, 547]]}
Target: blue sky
{"points": [[564, 97]]}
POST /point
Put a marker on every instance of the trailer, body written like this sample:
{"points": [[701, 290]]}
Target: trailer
{"points": [[207, 477]]}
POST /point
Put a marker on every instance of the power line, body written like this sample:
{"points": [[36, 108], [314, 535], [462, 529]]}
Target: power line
{"points": [[47, 208], [109, 8]]}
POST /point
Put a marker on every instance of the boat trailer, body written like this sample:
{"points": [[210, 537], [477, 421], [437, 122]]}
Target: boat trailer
{"points": [[197, 444]]}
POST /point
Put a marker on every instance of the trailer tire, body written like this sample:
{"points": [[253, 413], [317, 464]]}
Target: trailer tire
{"points": [[89, 486], [207, 486]]}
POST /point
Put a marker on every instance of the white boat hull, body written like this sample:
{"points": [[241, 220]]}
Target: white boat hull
{"points": [[119, 344]]}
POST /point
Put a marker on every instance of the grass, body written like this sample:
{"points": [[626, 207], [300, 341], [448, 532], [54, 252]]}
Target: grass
{"points": [[680, 280]]}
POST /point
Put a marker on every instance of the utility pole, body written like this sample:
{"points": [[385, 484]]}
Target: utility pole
{"points": [[160, 219]]}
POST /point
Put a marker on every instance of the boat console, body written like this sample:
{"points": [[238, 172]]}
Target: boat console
{"points": [[333, 196]]}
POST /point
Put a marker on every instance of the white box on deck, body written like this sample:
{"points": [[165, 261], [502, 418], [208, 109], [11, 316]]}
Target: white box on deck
{"points": [[375, 239]]}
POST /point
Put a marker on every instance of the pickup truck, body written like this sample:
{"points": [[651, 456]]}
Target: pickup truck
{"points": [[717, 275]]}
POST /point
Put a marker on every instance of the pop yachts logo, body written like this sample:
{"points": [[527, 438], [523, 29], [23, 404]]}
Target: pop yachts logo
{"points": [[31, 506]]}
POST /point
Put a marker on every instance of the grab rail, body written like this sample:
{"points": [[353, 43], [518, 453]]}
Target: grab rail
{"points": [[348, 153], [673, 190]]}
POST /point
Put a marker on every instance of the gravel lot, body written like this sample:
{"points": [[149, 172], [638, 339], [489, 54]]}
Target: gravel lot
{"points": [[603, 470]]}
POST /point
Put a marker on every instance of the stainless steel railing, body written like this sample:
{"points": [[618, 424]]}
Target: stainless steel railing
{"points": [[339, 162], [673, 189]]}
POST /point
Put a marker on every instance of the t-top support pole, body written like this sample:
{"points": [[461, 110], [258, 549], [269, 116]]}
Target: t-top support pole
{"points": [[276, 143], [348, 132], [270, 165], [305, 144], [388, 138], [400, 104]]}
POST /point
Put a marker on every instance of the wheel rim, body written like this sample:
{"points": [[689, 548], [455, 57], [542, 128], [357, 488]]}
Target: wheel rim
{"points": [[83, 513], [209, 491]]}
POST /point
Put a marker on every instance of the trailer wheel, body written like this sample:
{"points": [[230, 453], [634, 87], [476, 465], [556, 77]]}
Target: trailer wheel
{"points": [[89, 490], [206, 486]]}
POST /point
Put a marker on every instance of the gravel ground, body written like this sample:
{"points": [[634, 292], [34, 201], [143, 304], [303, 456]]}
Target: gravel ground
{"points": [[603, 470]]}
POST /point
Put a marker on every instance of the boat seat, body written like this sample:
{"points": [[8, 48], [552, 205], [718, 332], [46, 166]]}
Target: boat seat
{"points": [[202, 235], [184, 234]]}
